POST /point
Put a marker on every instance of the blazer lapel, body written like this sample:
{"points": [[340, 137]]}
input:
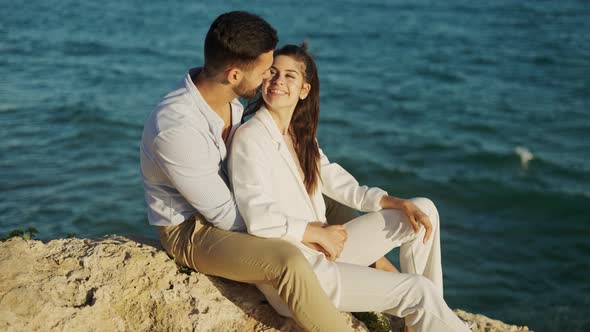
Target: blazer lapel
{"points": [[264, 116]]}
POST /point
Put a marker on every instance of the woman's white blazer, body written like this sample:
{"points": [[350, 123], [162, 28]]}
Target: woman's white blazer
{"points": [[271, 196]]}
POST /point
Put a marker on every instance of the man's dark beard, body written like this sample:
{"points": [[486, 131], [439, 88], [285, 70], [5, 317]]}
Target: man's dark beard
{"points": [[246, 93]]}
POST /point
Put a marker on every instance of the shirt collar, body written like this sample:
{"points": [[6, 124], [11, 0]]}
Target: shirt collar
{"points": [[214, 120]]}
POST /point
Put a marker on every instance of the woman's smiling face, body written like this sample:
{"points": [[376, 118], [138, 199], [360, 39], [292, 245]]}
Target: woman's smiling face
{"points": [[286, 84]]}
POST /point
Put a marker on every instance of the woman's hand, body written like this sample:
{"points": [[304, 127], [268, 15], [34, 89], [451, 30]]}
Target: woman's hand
{"points": [[330, 238], [415, 216], [316, 246], [333, 240]]}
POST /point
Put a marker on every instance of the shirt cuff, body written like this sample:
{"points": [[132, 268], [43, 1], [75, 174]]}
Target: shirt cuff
{"points": [[295, 229], [372, 199]]}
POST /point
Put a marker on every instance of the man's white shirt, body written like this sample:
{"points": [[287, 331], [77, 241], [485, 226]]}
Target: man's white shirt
{"points": [[183, 160]]}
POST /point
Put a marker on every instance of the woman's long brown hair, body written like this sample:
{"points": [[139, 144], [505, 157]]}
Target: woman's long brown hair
{"points": [[304, 123]]}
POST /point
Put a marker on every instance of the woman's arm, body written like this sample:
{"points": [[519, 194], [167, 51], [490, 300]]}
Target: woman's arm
{"points": [[249, 169], [341, 186]]}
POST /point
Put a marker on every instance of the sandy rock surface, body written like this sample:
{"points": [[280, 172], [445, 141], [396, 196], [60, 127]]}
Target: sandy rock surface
{"points": [[486, 324], [118, 284]]}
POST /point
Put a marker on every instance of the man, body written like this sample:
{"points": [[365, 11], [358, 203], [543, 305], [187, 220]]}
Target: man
{"points": [[183, 165]]}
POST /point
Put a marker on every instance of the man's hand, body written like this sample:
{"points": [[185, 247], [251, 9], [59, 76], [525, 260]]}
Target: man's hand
{"points": [[415, 216]]}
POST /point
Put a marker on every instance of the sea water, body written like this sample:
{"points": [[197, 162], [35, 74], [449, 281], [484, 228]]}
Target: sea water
{"points": [[481, 106]]}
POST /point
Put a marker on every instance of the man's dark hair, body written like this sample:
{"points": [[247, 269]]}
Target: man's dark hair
{"points": [[237, 38]]}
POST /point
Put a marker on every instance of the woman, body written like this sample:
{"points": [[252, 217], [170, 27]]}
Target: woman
{"points": [[279, 174]]}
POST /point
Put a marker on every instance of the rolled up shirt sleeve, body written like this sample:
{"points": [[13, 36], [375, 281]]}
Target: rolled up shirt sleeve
{"points": [[253, 191], [191, 162], [341, 186]]}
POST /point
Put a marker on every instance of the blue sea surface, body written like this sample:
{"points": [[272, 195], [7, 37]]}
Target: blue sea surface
{"points": [[443, 99]]}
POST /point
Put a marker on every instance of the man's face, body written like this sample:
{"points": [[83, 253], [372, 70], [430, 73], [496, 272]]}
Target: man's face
{"points": [[253, 78]]}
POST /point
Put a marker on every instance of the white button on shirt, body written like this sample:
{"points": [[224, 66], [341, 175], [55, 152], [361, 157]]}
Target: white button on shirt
{"points": [[183, 160]]}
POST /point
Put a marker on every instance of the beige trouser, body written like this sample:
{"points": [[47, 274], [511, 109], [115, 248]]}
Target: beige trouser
{"points": [[246, 258]]}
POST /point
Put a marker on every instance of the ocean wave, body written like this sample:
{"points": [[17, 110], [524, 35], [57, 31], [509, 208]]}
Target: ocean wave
{"points": [[508, 159], [341, 123], [83, 48], [61, 130], [440, 74], [477, 177], [476, 127], [86, 48], [82, 113], [532, 200], [524, 154]]}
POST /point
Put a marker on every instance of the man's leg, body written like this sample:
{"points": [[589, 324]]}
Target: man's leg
{"points": [[245, 258]]}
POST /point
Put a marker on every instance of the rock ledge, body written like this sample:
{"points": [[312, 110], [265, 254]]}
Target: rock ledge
{"points": [[118, 284]]}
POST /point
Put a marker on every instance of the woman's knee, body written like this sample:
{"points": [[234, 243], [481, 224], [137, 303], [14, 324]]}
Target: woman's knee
{"points": [[427, 206], [422, 289]]}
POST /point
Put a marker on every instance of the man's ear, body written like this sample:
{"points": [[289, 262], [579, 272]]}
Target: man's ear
{"points": [[233, 75], [304, 91]]}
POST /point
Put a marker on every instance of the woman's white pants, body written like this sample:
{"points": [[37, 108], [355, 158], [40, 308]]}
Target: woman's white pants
{"points": [[415, 294]]}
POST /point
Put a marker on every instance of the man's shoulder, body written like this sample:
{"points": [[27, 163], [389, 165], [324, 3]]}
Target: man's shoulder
{"points": [[175, 110]]}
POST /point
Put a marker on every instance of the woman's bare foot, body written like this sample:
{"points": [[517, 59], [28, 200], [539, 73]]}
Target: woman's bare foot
{"points": [[385, 265], [409, 329]]}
